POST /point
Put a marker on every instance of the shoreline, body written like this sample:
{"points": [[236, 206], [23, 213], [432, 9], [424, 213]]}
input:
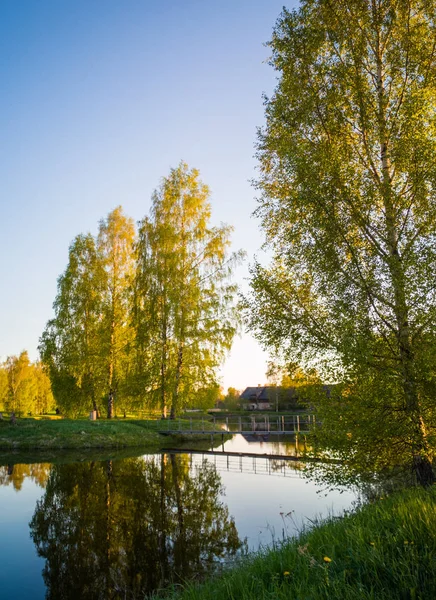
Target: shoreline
{"points": [[384, 550]]}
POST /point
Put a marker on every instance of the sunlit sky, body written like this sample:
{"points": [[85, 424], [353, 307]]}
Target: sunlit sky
{"points": [[98, 101]]}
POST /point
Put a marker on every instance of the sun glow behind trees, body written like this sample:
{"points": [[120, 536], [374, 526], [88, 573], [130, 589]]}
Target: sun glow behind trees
{"points": [[144, 319]]}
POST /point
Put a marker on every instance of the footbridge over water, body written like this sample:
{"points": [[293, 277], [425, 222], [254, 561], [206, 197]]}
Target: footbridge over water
{"points": [[253, 425], [251, 464]]}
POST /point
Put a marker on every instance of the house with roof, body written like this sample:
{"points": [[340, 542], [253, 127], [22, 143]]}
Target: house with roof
{"points": [[269, 397], [255, 398]]}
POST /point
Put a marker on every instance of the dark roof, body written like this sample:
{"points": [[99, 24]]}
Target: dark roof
{"points": [[267, 393], [252, 393]]}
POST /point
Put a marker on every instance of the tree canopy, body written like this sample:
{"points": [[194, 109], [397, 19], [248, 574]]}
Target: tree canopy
{"points": [[144, 321], [347, 203], [24, 387], [186, 317]]}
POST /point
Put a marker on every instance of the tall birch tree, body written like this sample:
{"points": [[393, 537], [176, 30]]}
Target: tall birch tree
{"points": [[115, 243], [348, 206], [186, 317], [70, 346]]}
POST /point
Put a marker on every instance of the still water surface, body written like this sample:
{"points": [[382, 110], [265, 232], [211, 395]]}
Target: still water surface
{"points": [[124, 527]]}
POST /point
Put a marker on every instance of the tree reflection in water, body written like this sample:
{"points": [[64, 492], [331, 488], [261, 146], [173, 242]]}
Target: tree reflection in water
{"points": [[126, 528], [15, 474]]}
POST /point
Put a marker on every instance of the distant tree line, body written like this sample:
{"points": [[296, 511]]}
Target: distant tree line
{"points": [[144, 317], [24, 387]]}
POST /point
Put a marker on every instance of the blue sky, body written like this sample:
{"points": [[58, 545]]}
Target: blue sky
{"points": [[99, 99]]}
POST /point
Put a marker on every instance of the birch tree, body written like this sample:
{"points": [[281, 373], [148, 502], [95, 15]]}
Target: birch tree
{"points": [[70, 346], [115, 251], [348, 206], [186, 317]]}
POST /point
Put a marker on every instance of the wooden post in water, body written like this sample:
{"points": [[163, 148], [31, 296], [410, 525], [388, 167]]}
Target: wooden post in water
{"points": [[293, 423], [283, 423], [298, 422]]}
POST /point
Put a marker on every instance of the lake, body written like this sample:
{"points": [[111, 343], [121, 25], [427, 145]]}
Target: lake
{"points": [[122, 527]]}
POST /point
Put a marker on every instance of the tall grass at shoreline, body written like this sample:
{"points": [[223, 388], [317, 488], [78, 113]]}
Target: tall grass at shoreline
{"points": [[386, 550]]}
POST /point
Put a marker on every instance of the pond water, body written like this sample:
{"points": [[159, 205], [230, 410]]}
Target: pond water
{"points": [[123, 527]]}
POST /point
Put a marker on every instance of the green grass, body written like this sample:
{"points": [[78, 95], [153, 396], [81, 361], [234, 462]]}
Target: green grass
{"points": [[384, 551], [74, 434], [30, 433]]}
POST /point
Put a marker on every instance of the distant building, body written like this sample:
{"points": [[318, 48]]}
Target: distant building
{"points": [[255, 398], [267, 397]]}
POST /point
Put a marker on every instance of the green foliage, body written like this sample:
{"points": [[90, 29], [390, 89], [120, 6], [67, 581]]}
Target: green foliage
{"points": [[185, 317], [4, 388], [231, 399], [70, 345], [115, 243], [348, 172], [146, 322], [24, 387], [86, 345], [206, 397], [385, 551]]}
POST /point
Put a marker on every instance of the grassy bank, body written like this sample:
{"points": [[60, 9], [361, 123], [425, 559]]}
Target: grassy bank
{"points": [[386, 550], [46, 434]]}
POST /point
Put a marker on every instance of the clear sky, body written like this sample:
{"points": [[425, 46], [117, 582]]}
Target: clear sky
{"points": [[98, 101]]}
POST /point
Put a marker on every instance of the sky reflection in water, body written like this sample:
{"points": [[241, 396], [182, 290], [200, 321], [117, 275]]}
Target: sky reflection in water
{"points": [[101, 528]]}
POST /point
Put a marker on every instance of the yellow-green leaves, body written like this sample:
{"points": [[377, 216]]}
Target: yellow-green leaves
{"points": [[347, 179]]}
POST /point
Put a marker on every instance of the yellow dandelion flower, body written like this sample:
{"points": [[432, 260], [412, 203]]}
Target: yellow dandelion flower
{"points": [[286, 573], [372, 543], [405, 542], [327, 559]]}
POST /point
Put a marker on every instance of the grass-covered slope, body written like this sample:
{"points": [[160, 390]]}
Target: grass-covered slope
{"points": [[386, 550], [28, 433], [66, 433]]}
